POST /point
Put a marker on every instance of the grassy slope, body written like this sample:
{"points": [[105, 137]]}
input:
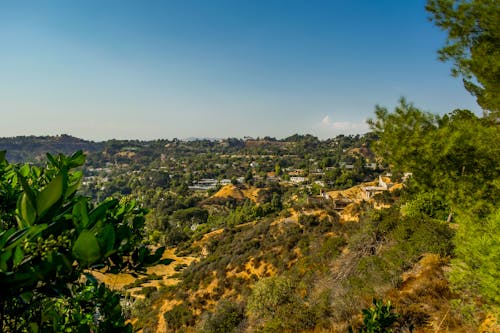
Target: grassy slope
{"points": [[335, 269]]}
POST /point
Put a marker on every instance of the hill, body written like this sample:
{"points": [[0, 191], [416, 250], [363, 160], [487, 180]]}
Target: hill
{"points": [[327, 269], [34, 148]]}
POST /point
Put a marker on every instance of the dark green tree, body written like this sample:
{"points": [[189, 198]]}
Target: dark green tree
{"points": [[456, 177], [473, 45]]}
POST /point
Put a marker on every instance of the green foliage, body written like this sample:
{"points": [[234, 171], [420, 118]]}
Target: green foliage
{"points": [[456, 178], [190, 215], [476, 266], [379, 318], [451, 157], [226, 318], [403, 137], [472, 45], [268, 294], [275, 303], [180, 316], [57, 237]]}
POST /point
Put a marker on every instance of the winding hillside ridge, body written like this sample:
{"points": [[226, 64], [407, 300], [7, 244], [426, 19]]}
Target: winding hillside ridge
{"points": [[330, 264], [270, 253], [34, 148], [396, 230]]}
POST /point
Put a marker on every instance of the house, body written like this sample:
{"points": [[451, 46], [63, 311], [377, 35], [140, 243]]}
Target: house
{"points": [[204, 184], [298, 180], [370, 191]]}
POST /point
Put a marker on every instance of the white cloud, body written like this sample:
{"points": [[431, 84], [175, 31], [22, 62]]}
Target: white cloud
{"points": [[344, 127]]}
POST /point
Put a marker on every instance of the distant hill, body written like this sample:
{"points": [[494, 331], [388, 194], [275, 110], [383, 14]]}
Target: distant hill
{"points": [[34, 148]]}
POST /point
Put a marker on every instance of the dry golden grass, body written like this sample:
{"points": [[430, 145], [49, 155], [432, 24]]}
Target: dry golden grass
{"points": [[202, 243], [353, 193], [490, 324], [252, 193], [240, 192], [395, 187], [293, 218], [350, 213], [165, 307], [263, 269], [206, 291], [424, 295], [114, 281], [119, 281], [229, 191]]}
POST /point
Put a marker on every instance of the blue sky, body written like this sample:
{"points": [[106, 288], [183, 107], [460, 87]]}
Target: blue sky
{"points": [[215, 68]]}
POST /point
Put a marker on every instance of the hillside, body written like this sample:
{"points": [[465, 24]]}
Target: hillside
{"points": [[237, 193], [290, 244], [34, 148], [332, 267]]}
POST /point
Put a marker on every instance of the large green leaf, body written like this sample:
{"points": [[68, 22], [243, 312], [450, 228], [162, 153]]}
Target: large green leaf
{"points": [[26, 211], [50, 194], [25, 170], [27, 233], [100, 211], [80, 214], [74, 181], [86, 248], [76, 160], [51, 159], [106, 238], [4, 258], [5, 235], [26, 187], [2, 156], [18, 256]]}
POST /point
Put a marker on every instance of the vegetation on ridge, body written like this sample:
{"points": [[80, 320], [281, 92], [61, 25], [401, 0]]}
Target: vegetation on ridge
{"points": [[271, 246]]}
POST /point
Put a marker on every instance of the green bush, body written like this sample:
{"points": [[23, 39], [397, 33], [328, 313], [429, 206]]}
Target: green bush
{"points": [[378, 319], [180, 316], [226, 318], [50, 236]]}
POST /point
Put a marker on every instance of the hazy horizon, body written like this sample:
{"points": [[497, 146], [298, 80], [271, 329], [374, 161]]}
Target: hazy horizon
{"points": [[165, 69]]}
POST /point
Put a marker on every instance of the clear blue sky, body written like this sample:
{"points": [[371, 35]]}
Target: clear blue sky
{"points": [[215, 68]]}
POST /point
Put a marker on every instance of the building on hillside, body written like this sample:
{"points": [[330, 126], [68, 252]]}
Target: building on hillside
{"points": [[204, 184], [369, 191], [298, 180], [406, 176]]}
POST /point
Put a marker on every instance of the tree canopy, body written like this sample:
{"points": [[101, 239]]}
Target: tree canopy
{"points": [[455, 162], [473, 45]]}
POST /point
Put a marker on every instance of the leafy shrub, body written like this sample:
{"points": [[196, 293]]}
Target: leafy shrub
{"points": [[57, 235], [179, 316], [276, 306], [378, 319], [225, 319]]}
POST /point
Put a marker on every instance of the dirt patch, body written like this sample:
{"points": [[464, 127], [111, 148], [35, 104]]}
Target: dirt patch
{"points": [[166, 306], [165, 272], [423, 297], [262, 269], [238, 193], [229, 191], [252, 193]]}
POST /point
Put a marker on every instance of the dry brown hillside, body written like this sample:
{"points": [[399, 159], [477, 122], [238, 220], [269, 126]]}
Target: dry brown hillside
{"points": [[238, 192]]}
